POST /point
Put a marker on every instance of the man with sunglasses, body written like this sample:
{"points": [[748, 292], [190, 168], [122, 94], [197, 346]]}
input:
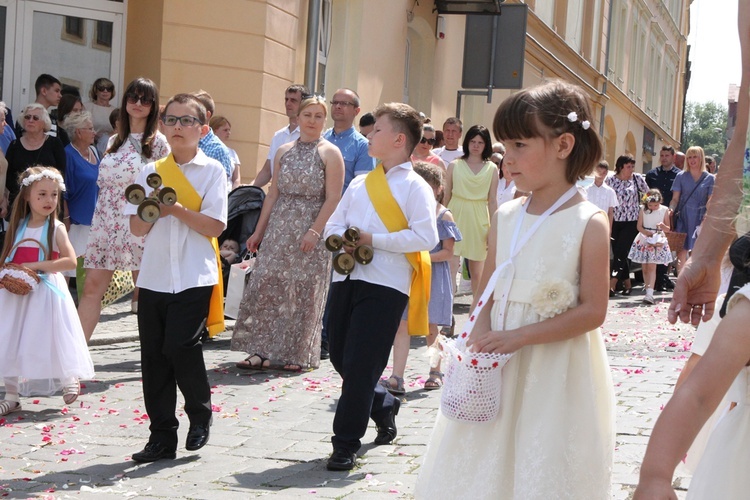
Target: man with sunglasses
{"points": [[293, 96]]}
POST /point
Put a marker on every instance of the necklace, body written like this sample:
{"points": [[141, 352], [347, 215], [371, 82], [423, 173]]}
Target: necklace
{"points": [[88, 153]]}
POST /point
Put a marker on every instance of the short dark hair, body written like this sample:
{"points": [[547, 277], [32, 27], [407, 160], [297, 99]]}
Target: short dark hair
{"points": [[454, 121], [113, 117], [101, 82], [603, 164], [45, 81], [710, 159], [623, 160], [668, 148], [205, 99], [67, 102], [190, 100], [484, 134], [548, 111], [366, 120], [405, 119], [297, 87]]}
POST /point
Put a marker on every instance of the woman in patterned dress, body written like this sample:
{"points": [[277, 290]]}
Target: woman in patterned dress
{"points": [[629, 188], [282, 307], [111, 246]]}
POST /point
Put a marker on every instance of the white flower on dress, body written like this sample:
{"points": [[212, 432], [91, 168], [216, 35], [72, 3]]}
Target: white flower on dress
{"points": [[553, 297]]}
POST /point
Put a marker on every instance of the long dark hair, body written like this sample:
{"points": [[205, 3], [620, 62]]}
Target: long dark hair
{"points": [[145, 88]]}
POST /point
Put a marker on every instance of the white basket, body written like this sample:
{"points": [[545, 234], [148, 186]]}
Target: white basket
{"points": [[471, 393]]}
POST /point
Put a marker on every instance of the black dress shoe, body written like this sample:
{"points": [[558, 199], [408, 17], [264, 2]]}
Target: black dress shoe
{"points": [[197, 436], [669, 284], [387, 429], [659, 288], [152, 452], [324, 354], [341, 459]]}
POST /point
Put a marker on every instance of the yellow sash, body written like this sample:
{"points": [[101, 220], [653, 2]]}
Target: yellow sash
{"points": [[188, 197], [390, 213]]}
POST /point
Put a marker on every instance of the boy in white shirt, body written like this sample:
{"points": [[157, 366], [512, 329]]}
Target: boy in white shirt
{"points": [[601, 194], [179, 273], [394, 209]]}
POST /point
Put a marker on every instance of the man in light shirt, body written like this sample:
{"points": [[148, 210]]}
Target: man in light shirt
{"points": [[452, 131], [292, 99]]}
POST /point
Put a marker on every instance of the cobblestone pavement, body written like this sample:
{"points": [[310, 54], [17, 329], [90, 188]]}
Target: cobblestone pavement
{"points": [[271, 430]]}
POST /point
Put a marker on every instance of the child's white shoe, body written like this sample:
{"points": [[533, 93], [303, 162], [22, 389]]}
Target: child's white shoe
{"points": [[649, 298]]}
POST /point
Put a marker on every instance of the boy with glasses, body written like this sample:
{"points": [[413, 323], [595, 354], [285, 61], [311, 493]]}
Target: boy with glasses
{"points": [[179, 280]]}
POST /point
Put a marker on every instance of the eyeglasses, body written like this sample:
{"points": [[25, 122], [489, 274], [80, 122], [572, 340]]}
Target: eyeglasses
{"points": [[343, 103], [90, 129], [105, 88], [431, 142], [145, 101], [36, 118], [185, 121]]}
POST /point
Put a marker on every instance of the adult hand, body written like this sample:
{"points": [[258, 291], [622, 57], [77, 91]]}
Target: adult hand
{"points": [[695, 293], [309, 240], [253, 242], [500, 342]]}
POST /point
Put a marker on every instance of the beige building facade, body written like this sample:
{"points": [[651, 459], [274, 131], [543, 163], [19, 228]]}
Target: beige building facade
{"points": [[246, 52]]}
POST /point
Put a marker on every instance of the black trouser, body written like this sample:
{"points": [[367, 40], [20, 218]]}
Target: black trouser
{"points": [[661, 275], [169, 327], [623, 234], [361, 328]]}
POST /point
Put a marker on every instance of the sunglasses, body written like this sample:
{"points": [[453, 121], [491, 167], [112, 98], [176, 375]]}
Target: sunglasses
{"points": [[36, 118], [105, 88], [431, 142], [145, 101]]}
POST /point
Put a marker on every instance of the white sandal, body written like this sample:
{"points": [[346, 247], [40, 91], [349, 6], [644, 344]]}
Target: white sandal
{"points": [[6, 408], [71, 392]]}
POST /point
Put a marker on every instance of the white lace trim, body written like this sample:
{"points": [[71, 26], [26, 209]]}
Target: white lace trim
{"points": [[21, 275]]}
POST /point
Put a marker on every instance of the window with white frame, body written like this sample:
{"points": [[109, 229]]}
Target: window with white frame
{"points": [[574, 24], [324, 45]]}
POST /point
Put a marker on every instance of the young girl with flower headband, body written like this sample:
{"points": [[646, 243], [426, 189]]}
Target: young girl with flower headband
{"points": [[554, 434], [43, 348], [650, 247]]}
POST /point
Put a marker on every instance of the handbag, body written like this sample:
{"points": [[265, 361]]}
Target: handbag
{"points": [[473, 381], [120, 285], [238, 274]]}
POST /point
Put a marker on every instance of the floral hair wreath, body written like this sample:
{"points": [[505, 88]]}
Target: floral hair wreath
{"points": [[573, 117], [651, 198], [28, 181]]}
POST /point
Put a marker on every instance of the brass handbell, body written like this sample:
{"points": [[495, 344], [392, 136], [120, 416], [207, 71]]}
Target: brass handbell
{"points": [[343, 263], [363, 254], [334, 243], [148, 207]]}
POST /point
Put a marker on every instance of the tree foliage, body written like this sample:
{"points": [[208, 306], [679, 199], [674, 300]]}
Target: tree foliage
{"points": [[706, 126]]}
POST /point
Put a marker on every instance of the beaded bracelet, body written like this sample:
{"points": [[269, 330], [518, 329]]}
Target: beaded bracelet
{"points": [[313, 231]]}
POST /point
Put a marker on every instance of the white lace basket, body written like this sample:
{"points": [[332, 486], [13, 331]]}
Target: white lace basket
{"points": [[471, 392]]}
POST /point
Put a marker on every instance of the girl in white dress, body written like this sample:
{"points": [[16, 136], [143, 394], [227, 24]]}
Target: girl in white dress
{"points": [[554, 436], [650, 247], [43, 348]]}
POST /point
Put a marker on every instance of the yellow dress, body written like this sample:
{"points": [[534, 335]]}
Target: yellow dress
{"points": [[469, 206]]}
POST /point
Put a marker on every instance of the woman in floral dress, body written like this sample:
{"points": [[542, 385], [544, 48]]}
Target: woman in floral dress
{"points": [[282, 307], [111, 246]]}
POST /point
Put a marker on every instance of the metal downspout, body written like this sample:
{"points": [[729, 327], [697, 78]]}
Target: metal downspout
{"points": [[311, 55]]}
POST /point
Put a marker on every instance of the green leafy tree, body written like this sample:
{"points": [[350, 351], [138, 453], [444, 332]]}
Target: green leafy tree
{"points": [[705, 126]]}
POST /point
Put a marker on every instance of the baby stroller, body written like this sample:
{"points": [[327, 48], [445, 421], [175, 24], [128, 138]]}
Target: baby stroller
{"points": [[245, 203]]}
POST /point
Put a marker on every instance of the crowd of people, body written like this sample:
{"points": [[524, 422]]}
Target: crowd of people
{"points": [[422, 204]]}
